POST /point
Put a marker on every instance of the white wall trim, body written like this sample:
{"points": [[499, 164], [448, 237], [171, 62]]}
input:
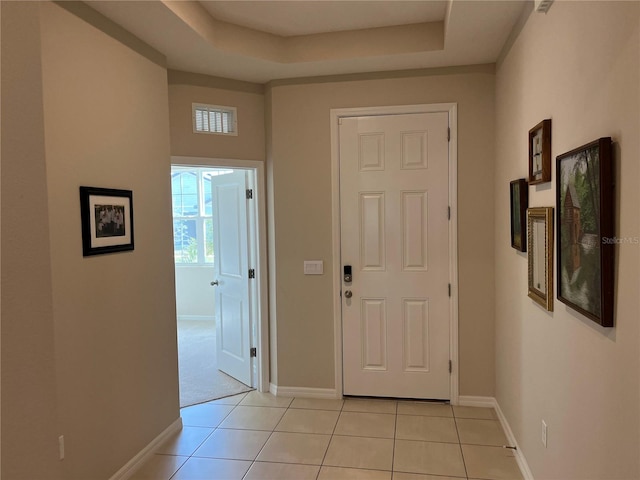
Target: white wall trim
{"points": [[304, 392], [453, 256], [262, 287], [469, 401], [136, 462], [335, 115], [197, 318]]}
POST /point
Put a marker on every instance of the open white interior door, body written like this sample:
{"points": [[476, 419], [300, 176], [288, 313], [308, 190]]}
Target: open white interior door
{"points": [[230, 247]]}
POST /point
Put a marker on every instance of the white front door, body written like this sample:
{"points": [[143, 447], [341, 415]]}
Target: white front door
{"points": [[394, 201], [230, 248]]}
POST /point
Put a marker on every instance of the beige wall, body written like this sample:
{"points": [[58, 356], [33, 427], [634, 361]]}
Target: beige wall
{"points": [[29, 404], [249, 144], [578, 65], [109, 335], [91, 353], [300, 172]]}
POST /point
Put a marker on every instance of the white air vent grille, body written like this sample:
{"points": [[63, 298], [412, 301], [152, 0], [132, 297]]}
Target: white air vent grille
{"points": [[542, 6], [214, 119]]}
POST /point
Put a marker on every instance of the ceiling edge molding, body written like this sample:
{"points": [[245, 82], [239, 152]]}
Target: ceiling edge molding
{"points": [[225, 36], [527, 9], [178, 77], [447, 18], [484, 68], [112, 29], [368, 42]]}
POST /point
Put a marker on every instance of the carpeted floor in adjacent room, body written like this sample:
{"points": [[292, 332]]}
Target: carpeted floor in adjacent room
{"points": [[200, 379]]}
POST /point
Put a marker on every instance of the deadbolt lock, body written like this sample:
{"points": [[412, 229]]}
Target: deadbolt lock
{"points": [[347, 276]]}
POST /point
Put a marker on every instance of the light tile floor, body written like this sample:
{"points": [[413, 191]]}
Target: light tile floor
{"points": [[256, 436]]}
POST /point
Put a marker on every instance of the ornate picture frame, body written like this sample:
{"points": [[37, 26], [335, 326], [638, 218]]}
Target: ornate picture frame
{"points": [[540, 255]]}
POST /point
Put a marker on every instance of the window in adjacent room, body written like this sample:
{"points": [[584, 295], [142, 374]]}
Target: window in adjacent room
{"points": [[192, 210]]}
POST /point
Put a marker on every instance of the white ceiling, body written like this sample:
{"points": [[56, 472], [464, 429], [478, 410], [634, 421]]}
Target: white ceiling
{"points": [[264, 40]]}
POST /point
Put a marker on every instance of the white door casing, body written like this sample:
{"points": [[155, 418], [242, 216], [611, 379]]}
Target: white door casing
{"points": [[394, 199], [258, 256], [233, 309]]}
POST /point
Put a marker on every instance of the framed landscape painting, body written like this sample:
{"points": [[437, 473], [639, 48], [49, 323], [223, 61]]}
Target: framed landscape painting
{"points": [[585, 226]]}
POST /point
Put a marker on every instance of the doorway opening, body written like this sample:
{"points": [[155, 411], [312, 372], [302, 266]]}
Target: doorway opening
{"points": [[216, 238]]}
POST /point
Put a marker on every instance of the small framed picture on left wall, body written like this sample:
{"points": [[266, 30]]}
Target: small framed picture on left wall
{"points": [[519, 194], [107, 220]]}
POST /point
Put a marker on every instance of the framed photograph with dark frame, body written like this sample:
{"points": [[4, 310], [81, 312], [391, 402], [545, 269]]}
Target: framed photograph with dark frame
{"points": [[519, 195], [585, 202], [107, 220], [540, 255], [540, 153]]}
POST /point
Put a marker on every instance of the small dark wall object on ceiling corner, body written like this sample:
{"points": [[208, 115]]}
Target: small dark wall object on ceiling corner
{"points": [[519, 194], [107, 220]]}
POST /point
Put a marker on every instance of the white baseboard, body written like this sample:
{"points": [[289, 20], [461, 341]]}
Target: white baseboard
{"points": [[136, 462], [469, 401], [303, 392]]}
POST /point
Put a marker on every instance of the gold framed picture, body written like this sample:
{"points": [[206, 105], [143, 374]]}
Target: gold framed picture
{"points": [[540, 255]]}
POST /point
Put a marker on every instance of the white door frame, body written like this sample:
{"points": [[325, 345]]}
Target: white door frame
{"points": [[262, 316], [336, 115]]}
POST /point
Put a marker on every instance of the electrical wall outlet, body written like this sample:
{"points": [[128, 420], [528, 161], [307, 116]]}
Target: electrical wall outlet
{"points": [[544, 434]]}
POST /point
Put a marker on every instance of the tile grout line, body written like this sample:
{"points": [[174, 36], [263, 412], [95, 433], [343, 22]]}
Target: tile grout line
{"points": [[331, 439], [464, 463], [199, 445], [253, 462], [395, 431], [190, 456]]}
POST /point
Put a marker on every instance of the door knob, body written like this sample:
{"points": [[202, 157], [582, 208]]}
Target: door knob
{"points": [[215, 283], [348, 293]]}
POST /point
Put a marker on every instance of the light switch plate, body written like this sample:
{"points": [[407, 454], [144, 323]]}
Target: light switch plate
{"points": [[313, 267]]}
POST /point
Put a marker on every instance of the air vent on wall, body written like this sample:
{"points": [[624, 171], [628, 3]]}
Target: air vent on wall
{"points": [[542, 6], [214, 119]]}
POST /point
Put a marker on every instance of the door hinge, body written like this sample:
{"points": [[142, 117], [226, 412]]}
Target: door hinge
{"points": [[252, 273], [448, 134], [449, 289], [253, 352], [450, 366], [249, 193], [448, 213]]}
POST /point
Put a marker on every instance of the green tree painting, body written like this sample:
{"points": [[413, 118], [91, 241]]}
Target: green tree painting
{"points": [[580, 230]]}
